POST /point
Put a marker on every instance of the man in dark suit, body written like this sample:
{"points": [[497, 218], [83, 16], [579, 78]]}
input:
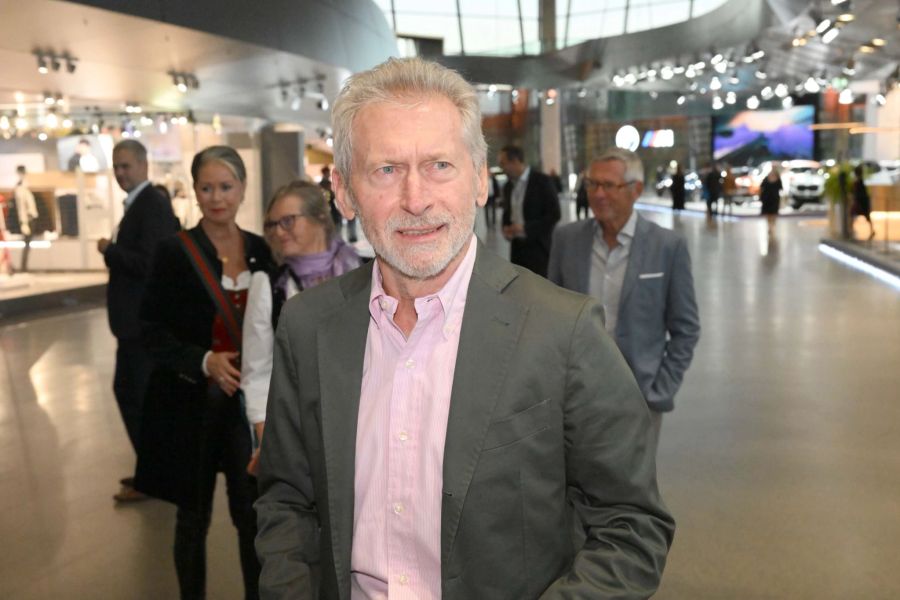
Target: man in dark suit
{"points": [[640, 272], [530, 211], [148, 219], [392, 457]]}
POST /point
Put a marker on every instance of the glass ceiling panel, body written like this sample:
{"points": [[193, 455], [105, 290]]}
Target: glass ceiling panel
{"points": [[492, 26]]}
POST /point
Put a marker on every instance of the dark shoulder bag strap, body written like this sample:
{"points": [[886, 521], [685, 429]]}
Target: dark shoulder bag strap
{"points": [[230, 315]]}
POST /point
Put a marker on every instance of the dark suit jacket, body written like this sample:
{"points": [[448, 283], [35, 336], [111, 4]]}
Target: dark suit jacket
{"points": [[540, 211], [658, 323], [556, 421], [177, 316], [149, 220]]}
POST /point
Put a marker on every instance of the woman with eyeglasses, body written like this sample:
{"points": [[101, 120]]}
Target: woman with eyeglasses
{"points": [[301, 232], [194, 424]]}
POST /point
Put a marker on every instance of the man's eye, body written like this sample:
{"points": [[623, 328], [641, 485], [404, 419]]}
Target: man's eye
{"points": [[441, 165], [387, 170]]}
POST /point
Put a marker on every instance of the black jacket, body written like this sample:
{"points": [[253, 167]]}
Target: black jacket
{"points": [[540, 211], [177, 315], [149, 220]]}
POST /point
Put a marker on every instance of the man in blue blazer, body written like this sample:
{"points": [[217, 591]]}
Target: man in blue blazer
{"points": [[148, 219], [640, 272]]}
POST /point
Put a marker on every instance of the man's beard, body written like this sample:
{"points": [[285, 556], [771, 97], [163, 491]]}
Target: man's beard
{"points": [[425, 261]]}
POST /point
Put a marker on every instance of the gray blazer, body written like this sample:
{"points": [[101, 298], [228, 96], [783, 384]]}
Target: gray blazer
{"points": [[544, 417], [658, 323]]}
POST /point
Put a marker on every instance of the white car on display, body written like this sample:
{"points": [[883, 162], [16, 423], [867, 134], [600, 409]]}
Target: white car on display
{"points": [[805, 181]]}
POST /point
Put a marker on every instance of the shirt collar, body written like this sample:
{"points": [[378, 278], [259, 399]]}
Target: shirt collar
{"points": [[129, 199], [523, 178], [449, 297], [625, 235]]}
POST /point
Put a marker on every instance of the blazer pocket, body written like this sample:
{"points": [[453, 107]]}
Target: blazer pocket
{"points": [[521, 425], [651, 275]]}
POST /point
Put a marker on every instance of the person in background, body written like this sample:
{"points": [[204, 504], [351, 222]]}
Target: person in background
{"points": [[641, 274], [557, 180], [862, 204], [148, 219], [27, 212], [392, 458], [770, 197], [581, 199], [490, 208], [712, 184], [530, 211], [300, 231], [729, 190], [678, 188], [195, 425], [325, 184]]}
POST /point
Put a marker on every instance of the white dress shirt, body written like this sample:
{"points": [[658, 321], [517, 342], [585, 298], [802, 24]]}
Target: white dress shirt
{"points": [[608, 269]]}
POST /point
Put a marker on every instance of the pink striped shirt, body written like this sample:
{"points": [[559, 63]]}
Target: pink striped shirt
{"points": [[403, 411]]}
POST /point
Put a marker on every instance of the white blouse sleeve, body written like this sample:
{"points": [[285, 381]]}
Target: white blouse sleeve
{"points": [[256, 355]]}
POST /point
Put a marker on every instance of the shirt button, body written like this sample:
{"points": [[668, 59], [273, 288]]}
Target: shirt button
{"points": [[398, 508], [410, 363], [383, 304], [403, 580], [403, 436]]}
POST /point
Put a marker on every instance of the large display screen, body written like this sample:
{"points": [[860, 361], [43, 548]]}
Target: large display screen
{"points": [[90, 153], [754, 136]]}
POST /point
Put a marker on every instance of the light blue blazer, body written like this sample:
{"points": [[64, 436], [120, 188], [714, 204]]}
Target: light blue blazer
{"points": [[659, 324]]}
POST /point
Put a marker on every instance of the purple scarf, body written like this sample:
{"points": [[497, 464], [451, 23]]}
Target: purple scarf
{"points": [[312, 269]]}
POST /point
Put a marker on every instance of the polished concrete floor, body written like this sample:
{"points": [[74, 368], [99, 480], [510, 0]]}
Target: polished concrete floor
{"points": [[781, 462]]}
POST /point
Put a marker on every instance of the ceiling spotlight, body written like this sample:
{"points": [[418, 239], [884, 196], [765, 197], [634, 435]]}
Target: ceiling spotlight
{"points": [[582, 93], [846, 12], [54, 63], [829, 35], [767, 93], [721, 66], [717, 103], [878, 42], [715, 84], [323, 104], [71, 64], [752, 102], [788, 102], [617, 80], [760, 74], [811, 85], [630, 79], [730, 98], [879, 99], [690, 72], [654, 94], [42, 136], [850, 67], [866, 49], [67, 123], [823, 26], [680, 100], [717, 58], [52, 121], [492, 89], [42, 64], [781, 90], [4, 123], [798, 42], [678, 69], [734, 80], [49, 99], [666, 73], [846, 96]]}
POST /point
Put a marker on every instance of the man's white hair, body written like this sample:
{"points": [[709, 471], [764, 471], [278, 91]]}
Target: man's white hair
{"points": [[634, 168], [400, 81]]}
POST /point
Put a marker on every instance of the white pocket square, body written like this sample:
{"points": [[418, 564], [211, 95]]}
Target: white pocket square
{"points": [[650, 275]]}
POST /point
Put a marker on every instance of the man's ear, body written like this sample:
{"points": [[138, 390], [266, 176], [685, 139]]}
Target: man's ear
{"points": [[482, 188], [342, 195]]}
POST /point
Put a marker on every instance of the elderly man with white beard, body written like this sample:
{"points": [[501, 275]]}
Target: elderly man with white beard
{"points": [[438, 419]]}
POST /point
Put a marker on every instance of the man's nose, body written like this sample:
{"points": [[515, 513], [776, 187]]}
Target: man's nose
{"points": [[414, 196]]}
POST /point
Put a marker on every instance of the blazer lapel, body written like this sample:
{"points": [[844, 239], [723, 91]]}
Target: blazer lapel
{"points": [[491, 326], [635, 261], [584, 248], [341, 341]]}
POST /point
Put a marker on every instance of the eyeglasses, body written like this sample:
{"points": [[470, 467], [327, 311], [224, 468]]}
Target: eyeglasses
{"points": [[591, 185], [286, 222]]}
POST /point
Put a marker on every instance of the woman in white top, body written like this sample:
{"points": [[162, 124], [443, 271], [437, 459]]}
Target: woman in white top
{"points": [[300, 230]]}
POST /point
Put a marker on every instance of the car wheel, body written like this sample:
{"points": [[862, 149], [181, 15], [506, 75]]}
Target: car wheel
{"points": [[796, 203]]}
